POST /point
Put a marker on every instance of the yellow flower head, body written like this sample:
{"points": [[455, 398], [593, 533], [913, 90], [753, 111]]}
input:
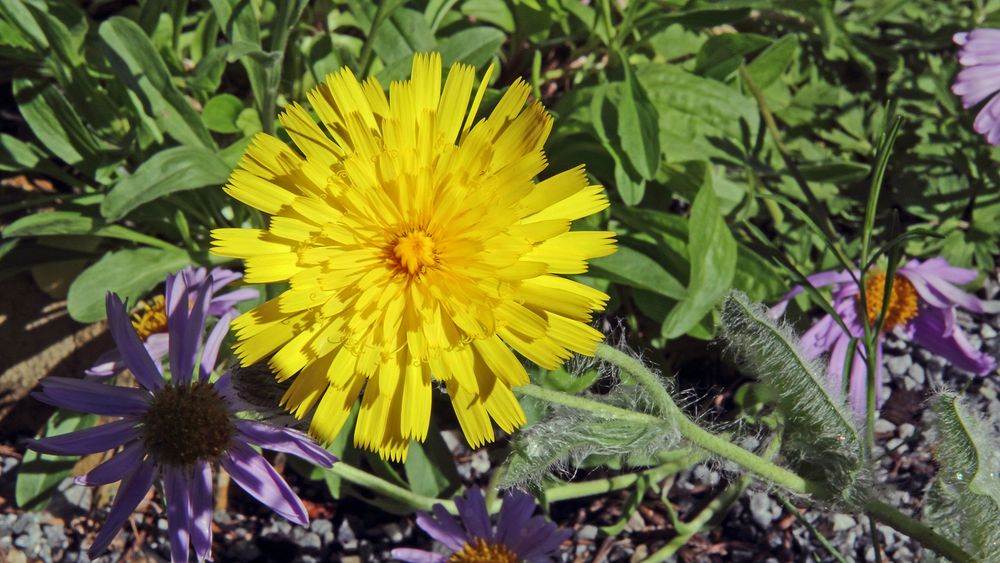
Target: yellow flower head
{"points": [[417, 246]]}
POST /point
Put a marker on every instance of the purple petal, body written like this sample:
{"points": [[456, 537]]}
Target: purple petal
{"points": [[939, 293], [107, 364], [443, 528], [222, 304], [223, 277], [935, 330], [285, 440], [540, 539], [252, 472], [176, 489], [988, 121], [133, 353], [472, 511], [976, 83], [210, 353], [158, 345], [857, 393], [82, 442], [819, 337], [116, 468], [130, 493], [515, 511], [409, 555], [186, 329], [821, 279], [201, 510], [93, 397]]}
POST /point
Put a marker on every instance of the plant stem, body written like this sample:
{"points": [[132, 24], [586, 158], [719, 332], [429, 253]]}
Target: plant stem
{"points": [[689, 430], [385, 8], [381, 486], [599, 486], [916, 530]]}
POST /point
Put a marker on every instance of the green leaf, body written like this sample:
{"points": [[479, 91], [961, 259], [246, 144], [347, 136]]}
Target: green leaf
{"points": [[168, 171], [39, 474], [130, 273], [16, 155], [821, 439], [497, 13], [56, 123], [136, 63], [430, 468], [722, 54], [966, 506], [835, 172], [341, 447], [50, 223], [695, 112], [712, 250], [474, 46], [768, 66], [634, 269], [220, 113], [638, 127]]}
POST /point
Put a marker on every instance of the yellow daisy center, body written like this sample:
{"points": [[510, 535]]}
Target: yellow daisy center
{"points": [[417, 245], [413, 252], [152, 319], [903, 302], [480, 551]]}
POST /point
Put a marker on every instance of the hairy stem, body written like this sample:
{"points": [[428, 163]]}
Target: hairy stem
{"points": [[599, 486], [911, 527]]}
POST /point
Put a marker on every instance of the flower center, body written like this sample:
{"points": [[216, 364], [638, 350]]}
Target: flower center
{"points": [[480, 551], [185, 424], [413, 252], [903, 301], [152, 319]]}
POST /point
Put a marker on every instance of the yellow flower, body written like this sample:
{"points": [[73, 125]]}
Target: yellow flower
{"points": [[416, 246]]}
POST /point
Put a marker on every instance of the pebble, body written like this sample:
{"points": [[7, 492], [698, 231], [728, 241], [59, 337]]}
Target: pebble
{"points": [[346, 536], [906, 430], [587, 533], [706, 476], [884, 426], [763, 509], [324, 528], [899, 364], [843, 522], [987, 331]]}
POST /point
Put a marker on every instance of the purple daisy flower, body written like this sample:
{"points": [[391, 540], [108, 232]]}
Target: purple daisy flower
{"points": [[174, 431], [921, 307], [518, 536], [980, 79], [151, 322]]}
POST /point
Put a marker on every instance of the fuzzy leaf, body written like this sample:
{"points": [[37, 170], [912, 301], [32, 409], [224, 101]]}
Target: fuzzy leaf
{"points": [[821, 439], [964, 502]]}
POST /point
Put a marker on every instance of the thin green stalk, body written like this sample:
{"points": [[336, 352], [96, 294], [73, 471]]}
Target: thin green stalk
{"points": [[927, 537], [606, 18], [384, 10], [812, 529], [569, 491], [714, 508], [357, 476]]}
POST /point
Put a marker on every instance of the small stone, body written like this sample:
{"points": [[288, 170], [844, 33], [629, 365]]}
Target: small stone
{"points": [[346, 536], [162, 524], [899, 364], [916, 372], [843, 522], [906, 430], [893, 444], [393, 532], [987, 331], [587, 533], [884, 426], [989, 392], [310, 540], [480, 462], [324, 528], [763, 509], [350, 559]]}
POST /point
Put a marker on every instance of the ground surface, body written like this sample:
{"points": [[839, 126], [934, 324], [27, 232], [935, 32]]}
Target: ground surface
{"points": [[40, 339]]}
